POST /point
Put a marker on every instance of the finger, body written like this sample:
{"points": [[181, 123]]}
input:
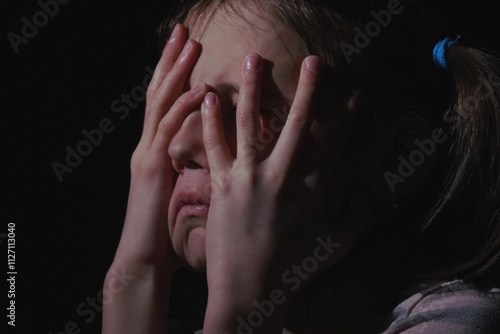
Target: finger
{"points": [[170, 54], [218, 152], [172, 121], [300, 117], [247, 114], [169, 90]]}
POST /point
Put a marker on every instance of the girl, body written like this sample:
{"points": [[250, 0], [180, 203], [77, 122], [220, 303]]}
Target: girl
{"points": [[339, 181]]}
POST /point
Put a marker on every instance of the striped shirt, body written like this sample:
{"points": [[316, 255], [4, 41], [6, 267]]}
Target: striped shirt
{"points": [[454, 307]]}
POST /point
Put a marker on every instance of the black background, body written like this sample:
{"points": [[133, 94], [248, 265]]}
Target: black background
{"points": [[62, 82]]}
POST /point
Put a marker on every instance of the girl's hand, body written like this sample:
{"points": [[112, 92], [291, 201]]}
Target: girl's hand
{"points": [[267, 231], [145, 251]]}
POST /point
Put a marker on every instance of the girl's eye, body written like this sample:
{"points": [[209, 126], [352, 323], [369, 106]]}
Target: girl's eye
{"points": [[263, 110], [270, 117]]}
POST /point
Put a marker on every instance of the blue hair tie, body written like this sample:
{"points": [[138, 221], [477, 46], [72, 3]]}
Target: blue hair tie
{"points": [[440, 52]]}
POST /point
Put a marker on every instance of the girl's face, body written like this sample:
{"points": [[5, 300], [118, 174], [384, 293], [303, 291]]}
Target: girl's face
{"points": [[226, 42]]}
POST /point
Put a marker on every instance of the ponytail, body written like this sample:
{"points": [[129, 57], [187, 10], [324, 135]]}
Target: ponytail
{"points": [[473, 121]]}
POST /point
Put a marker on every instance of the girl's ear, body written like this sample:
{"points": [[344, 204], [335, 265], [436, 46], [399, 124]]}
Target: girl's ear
{"points": [[387, 165], [342, 169], [353, 101], [398, 161], [390, 162], [338, 110]]}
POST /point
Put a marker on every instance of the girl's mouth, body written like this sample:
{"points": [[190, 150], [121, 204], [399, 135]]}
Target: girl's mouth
{"points": [[191, 204]]}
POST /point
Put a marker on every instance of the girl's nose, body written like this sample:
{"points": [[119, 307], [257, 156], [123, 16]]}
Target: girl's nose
{"points": [[186, 148]]}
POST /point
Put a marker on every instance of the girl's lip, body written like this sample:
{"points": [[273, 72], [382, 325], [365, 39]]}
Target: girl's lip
{"points": [[193, 210], [191, 203]]}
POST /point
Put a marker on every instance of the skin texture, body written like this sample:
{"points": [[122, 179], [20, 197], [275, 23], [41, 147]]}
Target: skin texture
{"points": [[231, 40], [221, 183]]}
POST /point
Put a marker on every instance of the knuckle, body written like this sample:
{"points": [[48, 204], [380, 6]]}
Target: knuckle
{"points": [[154, 103], [182, 101], [146, 165], [309, 82], [248, 80], [164, 127], [308, 79], [150, 93], [136, 164], [134, 161], [245, 119], [159, 102], [249, 153], [221, 182], [137, 156], [274, 177], [211, 142], [209, 119], [150, 168], [150, 98], [247, 176]]}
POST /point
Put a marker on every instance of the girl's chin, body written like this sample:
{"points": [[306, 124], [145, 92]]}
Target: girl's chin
{"points": [[194, 251]]}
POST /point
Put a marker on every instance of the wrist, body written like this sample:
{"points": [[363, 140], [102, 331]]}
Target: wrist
{"points": [[135, 271], [246, 312], [135, 300]]}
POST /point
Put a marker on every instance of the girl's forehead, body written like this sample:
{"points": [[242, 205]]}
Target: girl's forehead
{"points": [[246, 24], [229, 37]]}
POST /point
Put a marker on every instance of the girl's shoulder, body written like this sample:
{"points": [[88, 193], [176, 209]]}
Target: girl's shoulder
{"points": [[449, 307]]}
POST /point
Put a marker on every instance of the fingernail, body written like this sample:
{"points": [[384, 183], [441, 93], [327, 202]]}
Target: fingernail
{"points": [[313, 63], [210, 99], [175, 33], [187, 47], [254, 62], [196, 89]]}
